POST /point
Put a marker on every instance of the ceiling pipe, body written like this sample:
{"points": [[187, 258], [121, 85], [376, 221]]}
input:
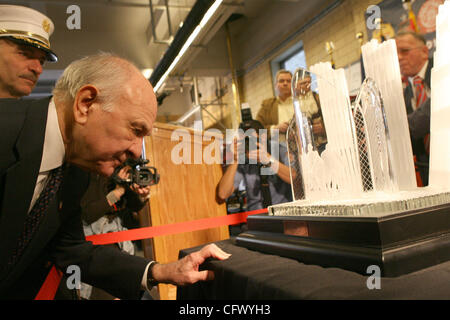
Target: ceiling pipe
{"points": [[236, 118], [192, 20]]}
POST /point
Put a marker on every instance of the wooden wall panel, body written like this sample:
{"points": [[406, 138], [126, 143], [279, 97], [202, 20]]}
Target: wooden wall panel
{"points": [[185, 192]]}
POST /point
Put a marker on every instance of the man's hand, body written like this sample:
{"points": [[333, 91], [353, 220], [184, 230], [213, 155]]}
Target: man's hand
{"points": [[124, 174], [186, 270], [143, 192], [119, 190], [259, 155], [282, 127]]}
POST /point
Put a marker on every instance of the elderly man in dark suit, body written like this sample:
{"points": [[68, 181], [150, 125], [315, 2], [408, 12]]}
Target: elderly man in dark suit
{"points": [[101, 109], [415, 66]]}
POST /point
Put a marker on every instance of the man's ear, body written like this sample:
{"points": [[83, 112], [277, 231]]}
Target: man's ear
{"points": [[85, 98]]}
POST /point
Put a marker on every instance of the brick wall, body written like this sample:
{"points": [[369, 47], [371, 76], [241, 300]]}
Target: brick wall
{"points": [[340, 26]]}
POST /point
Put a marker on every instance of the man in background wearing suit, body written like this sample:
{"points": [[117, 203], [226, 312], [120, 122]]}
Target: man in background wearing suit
{"points": [[415, 65], [276, 112], [101, 110]]}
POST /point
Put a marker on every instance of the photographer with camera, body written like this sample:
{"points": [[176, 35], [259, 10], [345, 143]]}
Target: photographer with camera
{"points": [[111, 205], [265, 176]]}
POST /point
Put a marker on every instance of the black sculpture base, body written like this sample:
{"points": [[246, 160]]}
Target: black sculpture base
{"points": [[399, 243]]}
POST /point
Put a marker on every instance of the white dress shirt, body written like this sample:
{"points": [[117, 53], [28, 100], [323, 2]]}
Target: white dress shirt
{"points": [[53, 153], [285, 110], [285, 113]]}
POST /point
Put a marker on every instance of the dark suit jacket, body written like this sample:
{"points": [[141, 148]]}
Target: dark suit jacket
{"points": [[60, 238], [268, 113], [419, 124], [419, 121], [408, 93]]}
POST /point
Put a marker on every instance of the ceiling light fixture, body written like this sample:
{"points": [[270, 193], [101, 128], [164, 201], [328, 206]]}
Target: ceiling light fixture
{"points": [[189, 41], [146, 72]]}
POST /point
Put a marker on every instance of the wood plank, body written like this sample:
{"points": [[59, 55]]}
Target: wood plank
{"points": [[185, 192]]}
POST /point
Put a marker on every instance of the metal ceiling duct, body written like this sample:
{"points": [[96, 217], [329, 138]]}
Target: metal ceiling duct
{"points": [[192, 20]]}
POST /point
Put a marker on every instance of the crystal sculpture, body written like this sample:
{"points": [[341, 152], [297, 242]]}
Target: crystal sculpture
{"points": [[365, 166]]}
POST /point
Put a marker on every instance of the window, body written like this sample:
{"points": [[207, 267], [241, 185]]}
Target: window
{"points": [[291, 59], [294, 61]]}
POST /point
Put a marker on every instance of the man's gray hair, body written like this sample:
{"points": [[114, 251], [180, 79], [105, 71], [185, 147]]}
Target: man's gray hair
{"points": [[417, 36], [106, 71]]}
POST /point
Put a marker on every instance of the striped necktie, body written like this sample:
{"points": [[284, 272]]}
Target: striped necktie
{"points": [[421, 97], [421, 93], [37, 213]]}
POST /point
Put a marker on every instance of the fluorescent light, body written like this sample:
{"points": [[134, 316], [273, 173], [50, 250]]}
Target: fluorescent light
{"points": [[210, 13], [189, 41], [146, 72], [184, 117]]}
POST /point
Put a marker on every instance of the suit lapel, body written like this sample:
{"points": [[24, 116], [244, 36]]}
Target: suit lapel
{"points": [[408, 94], [275, 110], [20, 179]]}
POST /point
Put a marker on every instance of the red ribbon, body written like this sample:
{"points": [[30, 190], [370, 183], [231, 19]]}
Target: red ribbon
{"points": [[50, 286], [188, 226]]}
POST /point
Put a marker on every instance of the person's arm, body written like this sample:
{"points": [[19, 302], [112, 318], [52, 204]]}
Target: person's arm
{"points": [[136, 196], [283, 171], [262, 156], [226, 183], [94, 203], [281, 127], [115, 195], [186, 270], [120, 274], [264, 115], [277, 166]]}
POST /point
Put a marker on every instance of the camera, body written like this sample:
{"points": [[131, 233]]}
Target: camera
{"points": [[248, 126], [250, 144], [139, 173]]}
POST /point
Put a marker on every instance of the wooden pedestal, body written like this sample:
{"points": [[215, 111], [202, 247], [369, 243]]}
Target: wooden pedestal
{"points": [[398, 244]]}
